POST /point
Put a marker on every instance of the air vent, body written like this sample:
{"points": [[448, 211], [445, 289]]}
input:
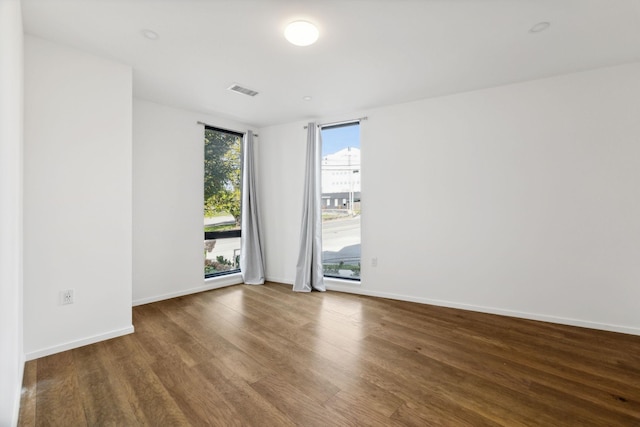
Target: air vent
{"points": [[243, 90]]}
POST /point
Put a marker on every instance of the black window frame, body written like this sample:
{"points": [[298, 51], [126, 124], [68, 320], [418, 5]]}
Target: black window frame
{"points": [[228, 234]]}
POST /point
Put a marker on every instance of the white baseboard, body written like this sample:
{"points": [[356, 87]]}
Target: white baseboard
{"points": [[15, 415], [356, 288], [490, 310], [78, 343], [279, 280], [209, 284]]}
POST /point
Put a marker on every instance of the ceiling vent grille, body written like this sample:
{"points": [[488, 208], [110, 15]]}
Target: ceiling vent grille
{"points": [[243, 90]]}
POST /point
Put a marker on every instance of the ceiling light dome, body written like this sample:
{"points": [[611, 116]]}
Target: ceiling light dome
{"points": [[301, 33]]}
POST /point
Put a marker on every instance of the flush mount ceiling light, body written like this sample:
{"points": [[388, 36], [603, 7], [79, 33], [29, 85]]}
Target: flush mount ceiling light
{"points": [[307, 98], [540, 27], [150, 34], [301, 33]]}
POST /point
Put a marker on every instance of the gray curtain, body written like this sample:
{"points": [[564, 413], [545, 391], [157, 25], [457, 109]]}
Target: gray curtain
{"points": [[251, 258], [309, 274]]}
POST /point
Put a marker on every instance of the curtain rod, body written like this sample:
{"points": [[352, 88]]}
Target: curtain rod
{"points": [[343, 122], [228, 130]]}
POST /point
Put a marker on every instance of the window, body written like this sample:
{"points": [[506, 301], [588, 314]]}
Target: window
{"points": [[341, 222], [222, 187]]}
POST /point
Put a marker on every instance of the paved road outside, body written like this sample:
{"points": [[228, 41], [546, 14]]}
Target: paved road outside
{"points": [[340, 233], [224, 219]]}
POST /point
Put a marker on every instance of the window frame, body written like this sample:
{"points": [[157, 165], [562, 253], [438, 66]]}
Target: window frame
{"points": [[227, 234], [329, 275]]}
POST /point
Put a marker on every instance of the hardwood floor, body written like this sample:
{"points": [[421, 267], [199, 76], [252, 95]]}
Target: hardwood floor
{"points": [[266, 356]]}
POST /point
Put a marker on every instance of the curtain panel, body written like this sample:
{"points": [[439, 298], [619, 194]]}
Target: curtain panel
{"points": [[251, 256], [309, 273]]}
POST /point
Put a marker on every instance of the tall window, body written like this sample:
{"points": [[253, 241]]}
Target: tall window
{"points": [[341, 201], [222, 186]]}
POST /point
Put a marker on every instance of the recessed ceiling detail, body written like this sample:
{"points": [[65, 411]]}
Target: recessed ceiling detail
{"points": [[243, 90], [301, 33], [150, 34], [540, 27]]}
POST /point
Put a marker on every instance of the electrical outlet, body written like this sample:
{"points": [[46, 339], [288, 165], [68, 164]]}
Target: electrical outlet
{"points": [[374, 262], [67, 296]]}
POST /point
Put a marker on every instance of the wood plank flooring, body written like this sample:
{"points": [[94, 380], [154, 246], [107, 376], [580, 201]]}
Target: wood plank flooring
{"points": [[266, 356]]}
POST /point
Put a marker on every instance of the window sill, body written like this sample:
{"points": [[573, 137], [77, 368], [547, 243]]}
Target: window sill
{"points": [[336, 282], [226, 280]]}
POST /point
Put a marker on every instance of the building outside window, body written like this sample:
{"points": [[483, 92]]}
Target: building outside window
{"points": [[341, 197]]}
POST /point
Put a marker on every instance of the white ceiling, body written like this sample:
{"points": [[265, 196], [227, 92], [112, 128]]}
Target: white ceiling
{"points": [[370, 52]]}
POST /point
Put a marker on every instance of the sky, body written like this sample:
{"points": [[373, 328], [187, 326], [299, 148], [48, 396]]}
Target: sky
{"points": [[335, 139]]}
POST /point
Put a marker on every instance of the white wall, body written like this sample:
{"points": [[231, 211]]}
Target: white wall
{"points": [[11, 294], [521, 199], [77, 197], [168, 189], [281, 163]]}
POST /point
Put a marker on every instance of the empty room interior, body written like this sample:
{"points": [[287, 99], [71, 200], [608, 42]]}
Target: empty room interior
{"points": [[422, 212]]}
